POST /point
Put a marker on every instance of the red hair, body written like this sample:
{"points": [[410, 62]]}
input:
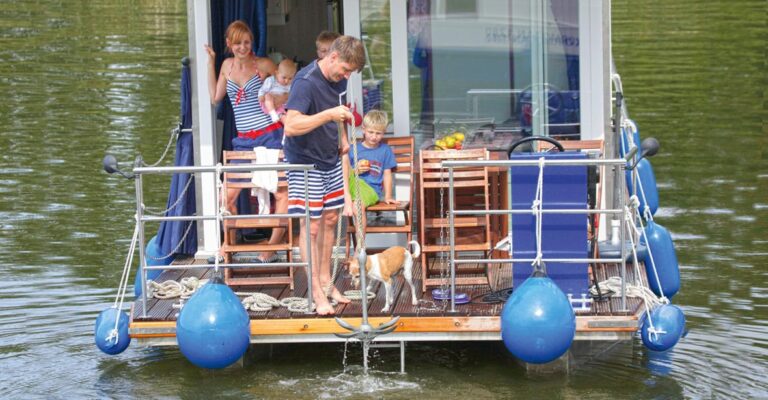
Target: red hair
{"points": [[236, 32]]}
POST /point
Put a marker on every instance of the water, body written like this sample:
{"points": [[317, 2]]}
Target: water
{"points": [[84, 78]]}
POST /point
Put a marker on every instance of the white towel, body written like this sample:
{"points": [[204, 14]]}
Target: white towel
{"points": [[264, 182]]}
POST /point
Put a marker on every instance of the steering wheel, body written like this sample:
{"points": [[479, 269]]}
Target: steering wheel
{"points": [[533, 138], [554, 102]]}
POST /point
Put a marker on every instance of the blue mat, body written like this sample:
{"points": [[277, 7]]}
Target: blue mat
{"points": [[563, 235]]}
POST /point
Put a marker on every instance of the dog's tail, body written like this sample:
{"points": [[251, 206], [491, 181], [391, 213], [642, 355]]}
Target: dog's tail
{"points": [[416, 249]]}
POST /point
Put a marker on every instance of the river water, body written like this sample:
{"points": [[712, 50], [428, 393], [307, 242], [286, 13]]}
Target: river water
{"points": [[84, 78]]}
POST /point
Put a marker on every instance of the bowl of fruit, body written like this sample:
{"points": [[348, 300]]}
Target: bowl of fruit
{"points": [[451, 141]]}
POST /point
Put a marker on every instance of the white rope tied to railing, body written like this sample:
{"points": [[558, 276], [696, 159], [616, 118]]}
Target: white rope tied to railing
{"points": [[536, 209], [613, 285], [123, 286], [641, 230]]}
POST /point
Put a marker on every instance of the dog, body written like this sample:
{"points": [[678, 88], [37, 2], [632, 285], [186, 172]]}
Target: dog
{"points": [[383, 267]]}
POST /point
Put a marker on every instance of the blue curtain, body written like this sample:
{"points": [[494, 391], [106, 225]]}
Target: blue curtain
{"points": [[181, 197], [223, 13]]}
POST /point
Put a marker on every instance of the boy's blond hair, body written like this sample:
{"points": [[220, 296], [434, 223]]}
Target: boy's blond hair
{"points": [[376, 119]]}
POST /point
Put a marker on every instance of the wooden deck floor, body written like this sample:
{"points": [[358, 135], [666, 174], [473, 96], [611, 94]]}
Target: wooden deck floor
{"points": [[163, 310]]}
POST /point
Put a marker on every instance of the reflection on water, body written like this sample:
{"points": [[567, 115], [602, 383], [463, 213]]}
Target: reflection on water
{"points": [[84, 78]]}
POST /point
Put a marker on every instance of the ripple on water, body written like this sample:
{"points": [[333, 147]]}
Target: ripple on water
{"points": [[16, 171], [350, 384], [717, 211], [670, 211], [687, 236]]}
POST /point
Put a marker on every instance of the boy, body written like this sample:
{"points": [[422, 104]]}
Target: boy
{"points": [[324, 41], [315, 117], [375, 161], [274, 92]]}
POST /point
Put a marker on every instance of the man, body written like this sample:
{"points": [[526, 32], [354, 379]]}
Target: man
{"points": [[314, 113]]}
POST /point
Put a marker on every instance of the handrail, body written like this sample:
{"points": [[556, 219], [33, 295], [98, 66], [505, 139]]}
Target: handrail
{"points": [[621, 210], [245, 167]]}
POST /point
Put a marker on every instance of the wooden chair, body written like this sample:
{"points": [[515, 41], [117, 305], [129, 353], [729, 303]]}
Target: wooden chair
{"points": [[253, 276], [472, 233], [403, 147]]}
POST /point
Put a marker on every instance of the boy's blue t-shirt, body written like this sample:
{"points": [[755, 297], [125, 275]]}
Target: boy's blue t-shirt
{"points": [[380, 158], [310, 94]]}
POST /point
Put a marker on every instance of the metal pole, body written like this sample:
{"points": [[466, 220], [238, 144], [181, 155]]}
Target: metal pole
{"points": [[622, 238], [308, 242], [402, 357], [451, 239], [142, 259], [361, 258]]}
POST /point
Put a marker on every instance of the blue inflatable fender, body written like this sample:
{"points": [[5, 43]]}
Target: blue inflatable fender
{"points": [[152, 255], [109, 340], [213, 329], [624, 148], [537, 322], [648, 181], [662, 249], [668, 323]]}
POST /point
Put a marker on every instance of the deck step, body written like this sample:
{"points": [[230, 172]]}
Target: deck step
{"points": [[256, 223], [237, 248]]}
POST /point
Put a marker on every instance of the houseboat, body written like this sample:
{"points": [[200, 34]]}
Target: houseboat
{"points": [[519, 175]]}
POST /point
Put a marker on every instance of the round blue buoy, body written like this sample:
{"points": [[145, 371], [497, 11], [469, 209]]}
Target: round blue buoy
{"points": [[107, 339], [537, 322], [213, 329], [669, 324], [152, 255], [663, 251]]}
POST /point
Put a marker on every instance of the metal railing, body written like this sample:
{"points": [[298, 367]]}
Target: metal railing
{"points": [[141, 219], [452, 212]]}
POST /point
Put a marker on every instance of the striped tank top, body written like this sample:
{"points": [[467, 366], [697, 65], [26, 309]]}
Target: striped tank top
{"points": [[245, 104]]}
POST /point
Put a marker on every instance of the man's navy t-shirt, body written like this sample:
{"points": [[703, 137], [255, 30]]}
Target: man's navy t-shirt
{"points": [[310, 94]]}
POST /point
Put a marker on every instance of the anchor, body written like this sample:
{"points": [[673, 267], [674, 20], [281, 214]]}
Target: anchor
{"points": [[366, 333]]}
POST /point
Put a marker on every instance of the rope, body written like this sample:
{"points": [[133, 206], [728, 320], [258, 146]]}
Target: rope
{"points": [[123, 286], [171, 289], [358, 294], [536, 209], [175, 250], [358, 207], [154, 211], [174, 133], [648, 296], [613, 285], [260, 302], [650, 255]]}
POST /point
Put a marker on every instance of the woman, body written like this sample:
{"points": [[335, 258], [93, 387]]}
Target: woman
{"points": [[241, 79]]}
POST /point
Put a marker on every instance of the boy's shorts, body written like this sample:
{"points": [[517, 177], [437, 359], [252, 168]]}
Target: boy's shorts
{"points": [[367, 193], [326, 191]]}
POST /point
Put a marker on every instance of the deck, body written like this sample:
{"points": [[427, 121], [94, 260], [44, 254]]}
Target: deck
{"points": [[426, 321]]}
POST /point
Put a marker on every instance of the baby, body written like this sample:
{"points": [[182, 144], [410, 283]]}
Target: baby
{"points": [[274, 92]]}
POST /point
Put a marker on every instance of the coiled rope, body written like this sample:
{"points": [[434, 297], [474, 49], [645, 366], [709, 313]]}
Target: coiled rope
{"points": [[171, 289]]}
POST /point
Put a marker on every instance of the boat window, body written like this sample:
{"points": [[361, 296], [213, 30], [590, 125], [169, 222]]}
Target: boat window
{"points": [[375, 28], [511, 63]]}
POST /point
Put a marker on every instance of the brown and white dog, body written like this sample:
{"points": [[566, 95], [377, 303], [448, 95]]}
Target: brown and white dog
{"points": [[383, 267]]}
